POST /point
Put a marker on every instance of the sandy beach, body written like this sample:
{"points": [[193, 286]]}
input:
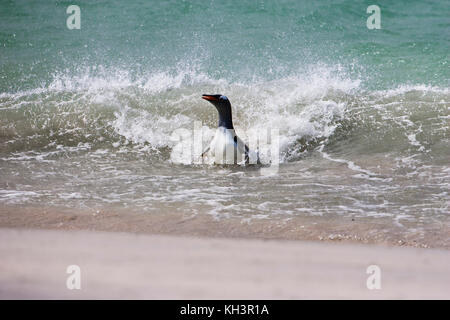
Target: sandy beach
{"points": [[175, 256], [324, 229], [124, 266]]}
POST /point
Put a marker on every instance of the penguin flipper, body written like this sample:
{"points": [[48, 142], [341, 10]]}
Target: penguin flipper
{"points": [[205, 151], [243, 148]]}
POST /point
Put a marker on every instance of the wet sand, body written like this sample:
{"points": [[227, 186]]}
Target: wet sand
{"points": [[174, 256], [324, 229], [123, 266]]}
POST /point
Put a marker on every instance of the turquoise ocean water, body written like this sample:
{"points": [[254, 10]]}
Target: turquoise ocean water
{"points": [[86, 116]]}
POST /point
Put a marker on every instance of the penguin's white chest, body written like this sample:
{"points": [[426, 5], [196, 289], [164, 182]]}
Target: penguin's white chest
{"points": [[225, 147]]}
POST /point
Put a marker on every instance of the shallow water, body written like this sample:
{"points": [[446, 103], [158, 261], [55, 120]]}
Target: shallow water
{"points": [[87, 116]]}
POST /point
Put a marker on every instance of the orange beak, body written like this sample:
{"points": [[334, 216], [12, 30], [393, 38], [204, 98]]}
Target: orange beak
{"points": [[209, 98]]}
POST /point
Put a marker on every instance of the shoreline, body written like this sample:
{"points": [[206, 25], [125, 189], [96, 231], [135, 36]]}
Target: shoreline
{"points": [[127, 255], [320, 229], [136, 266]]}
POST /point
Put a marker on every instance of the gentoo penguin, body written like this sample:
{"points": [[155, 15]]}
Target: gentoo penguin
{"points": [[226, 147]]}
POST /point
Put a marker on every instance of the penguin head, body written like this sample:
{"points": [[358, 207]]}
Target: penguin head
{"points": [[221, 102], [223, 107]]}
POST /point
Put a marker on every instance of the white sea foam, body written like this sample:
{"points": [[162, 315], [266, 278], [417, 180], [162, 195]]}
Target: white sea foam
{"points": [[17, 196], [99, 130]]}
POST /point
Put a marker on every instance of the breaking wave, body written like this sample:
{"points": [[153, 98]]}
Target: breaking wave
{"points": [[317, 109]]}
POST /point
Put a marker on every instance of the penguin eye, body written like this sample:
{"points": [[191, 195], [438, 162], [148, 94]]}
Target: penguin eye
{"points": [[223, 98]]}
